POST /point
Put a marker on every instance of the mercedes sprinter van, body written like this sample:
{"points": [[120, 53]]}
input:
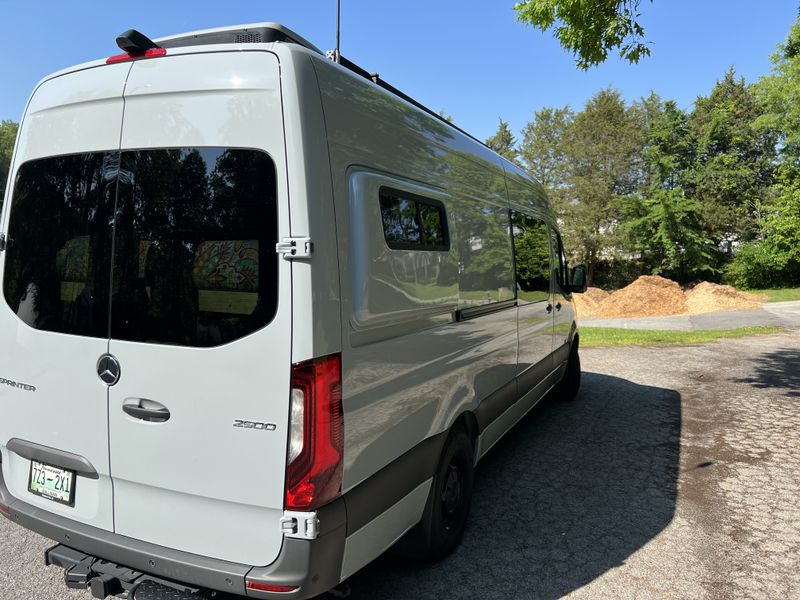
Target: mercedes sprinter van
{"points": [[262, 314]]}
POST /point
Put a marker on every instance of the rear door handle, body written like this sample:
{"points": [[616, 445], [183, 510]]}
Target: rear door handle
{"points": [[558, 305], [549, 308], [146, 410]]}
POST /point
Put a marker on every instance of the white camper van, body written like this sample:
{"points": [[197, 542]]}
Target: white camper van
{"points": [[262, 314]]}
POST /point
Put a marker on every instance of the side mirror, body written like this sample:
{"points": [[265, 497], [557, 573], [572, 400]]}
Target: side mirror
{"points": [[578, 285]]}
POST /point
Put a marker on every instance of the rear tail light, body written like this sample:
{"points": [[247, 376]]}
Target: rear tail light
{"points": [[125, 56], [269, 587], [5, 511], [316, 440]]}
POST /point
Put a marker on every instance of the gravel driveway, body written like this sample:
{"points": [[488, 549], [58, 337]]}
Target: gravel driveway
{"points": [[676, 474]]}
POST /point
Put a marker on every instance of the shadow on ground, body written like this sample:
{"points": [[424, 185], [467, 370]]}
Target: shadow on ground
{"points": [[568, 494], [777, 369]]}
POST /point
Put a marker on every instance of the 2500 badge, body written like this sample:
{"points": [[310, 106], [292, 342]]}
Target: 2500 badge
{"points": [[254, 425]]}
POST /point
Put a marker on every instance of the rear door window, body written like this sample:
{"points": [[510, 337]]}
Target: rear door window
{"points": [[194, 252], [59, 243], [192, 232]]}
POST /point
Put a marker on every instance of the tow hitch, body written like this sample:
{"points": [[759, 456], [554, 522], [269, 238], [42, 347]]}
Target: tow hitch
{"points": [[105, 579]]}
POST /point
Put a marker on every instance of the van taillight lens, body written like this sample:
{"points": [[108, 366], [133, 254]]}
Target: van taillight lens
{"points": [[5, 511], [316, 434], [125, 56]]}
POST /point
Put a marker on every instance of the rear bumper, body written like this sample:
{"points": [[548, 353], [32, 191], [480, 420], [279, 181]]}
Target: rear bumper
{"points": [[313, 566]]}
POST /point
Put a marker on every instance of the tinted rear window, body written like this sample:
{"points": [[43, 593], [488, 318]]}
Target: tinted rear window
{"points": [[58, 259], [194, 233]]}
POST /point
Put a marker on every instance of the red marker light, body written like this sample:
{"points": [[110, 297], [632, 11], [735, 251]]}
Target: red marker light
{"points": [[270, 587], [125, 56]]}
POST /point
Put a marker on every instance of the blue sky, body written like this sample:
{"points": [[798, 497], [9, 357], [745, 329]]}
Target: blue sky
{"points": [[469, 58]]}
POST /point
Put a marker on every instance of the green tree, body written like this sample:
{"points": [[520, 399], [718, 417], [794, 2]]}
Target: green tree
{"points": [[603, 148], [543, 151], [8, 134], [503, 142], [589, 29], [733, 172], [773, 257], [662, 225], [779, 94]]}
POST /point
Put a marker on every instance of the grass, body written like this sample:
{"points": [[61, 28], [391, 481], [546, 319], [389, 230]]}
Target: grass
{"points": [[777, 294], [612, 336]]}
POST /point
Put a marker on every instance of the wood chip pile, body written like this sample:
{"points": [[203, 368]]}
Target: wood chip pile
{"points": [[654, 296], [709, 297], [589, 302]]}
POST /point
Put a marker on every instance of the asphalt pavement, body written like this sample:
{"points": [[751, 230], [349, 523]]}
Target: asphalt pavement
{"points": [[675, 474]]}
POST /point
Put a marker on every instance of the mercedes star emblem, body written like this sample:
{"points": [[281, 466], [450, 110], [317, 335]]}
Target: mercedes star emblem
{"points": [[108, 369]]}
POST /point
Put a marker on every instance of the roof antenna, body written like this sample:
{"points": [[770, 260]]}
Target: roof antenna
{"points": [[337, 56]]}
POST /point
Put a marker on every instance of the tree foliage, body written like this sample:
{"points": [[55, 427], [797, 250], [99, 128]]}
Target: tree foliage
{"points": [[543, 150], [589, 29], [603, 149], [8, 134], [503, 141], [772, 256], [663, 225], [732, 174]]}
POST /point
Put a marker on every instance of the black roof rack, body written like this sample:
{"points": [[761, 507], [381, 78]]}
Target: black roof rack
{"points": [[375, 78]]}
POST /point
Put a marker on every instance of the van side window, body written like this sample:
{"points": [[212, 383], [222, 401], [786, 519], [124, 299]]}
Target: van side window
{"points": [[532, 257], [560, 266], [411, 222]]}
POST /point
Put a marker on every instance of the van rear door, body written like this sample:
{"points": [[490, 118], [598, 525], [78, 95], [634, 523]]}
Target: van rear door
{"points": [[55, 272], [201, 310]]}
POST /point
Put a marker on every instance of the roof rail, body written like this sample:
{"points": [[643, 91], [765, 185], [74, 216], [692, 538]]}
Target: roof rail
{"points": [[375, 78]]}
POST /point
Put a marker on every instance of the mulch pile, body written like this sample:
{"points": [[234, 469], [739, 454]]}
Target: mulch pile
{"points": [[709, 297], [588, 303], [654, 296], [648, 296]]}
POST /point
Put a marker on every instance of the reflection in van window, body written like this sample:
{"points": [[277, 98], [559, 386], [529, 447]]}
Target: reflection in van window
{"points": [[560, 268], [59, 243], [485, 256], [532, 257], [195, 260], [194, 245], [411, 222]]}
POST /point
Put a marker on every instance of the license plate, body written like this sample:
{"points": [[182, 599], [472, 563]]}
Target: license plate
{"points": [[53, 483]]}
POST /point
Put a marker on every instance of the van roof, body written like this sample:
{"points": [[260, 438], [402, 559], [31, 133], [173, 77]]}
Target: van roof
{"points": [[270, 32], [260, 33]]}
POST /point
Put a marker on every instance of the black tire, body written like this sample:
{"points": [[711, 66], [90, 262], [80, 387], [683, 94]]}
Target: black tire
{"points": [[445, 517], [567, 389]]}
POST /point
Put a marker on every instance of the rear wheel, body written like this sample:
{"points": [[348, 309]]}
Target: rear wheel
{"points": [[570, 384], [445, 517]]}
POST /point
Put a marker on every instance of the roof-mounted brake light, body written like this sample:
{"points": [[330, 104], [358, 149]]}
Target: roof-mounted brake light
{"points": [[136, 45]]}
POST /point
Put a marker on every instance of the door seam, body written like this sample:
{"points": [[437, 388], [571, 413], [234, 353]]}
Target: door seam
{"points": [[110, 300]]}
